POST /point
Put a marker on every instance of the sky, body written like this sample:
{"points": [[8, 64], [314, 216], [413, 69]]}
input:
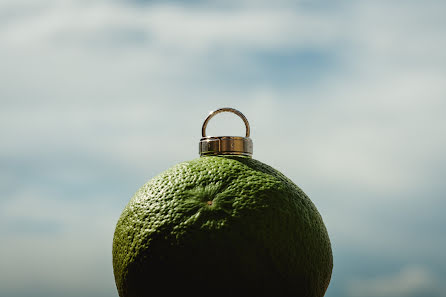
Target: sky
{"points": [[346, 98]]}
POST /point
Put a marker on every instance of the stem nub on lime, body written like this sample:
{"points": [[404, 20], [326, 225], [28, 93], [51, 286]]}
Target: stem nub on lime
{"points": [[221, 226]]}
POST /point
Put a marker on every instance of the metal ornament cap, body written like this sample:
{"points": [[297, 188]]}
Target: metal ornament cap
{"points": [[225, 145]]}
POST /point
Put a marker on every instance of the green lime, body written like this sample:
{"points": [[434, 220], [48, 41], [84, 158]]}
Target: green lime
{"points": [[221, 226]]}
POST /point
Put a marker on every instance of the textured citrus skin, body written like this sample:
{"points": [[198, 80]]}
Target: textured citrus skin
{"points": [[221, 226]]}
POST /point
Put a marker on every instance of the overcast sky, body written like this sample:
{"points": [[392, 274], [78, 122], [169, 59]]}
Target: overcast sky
{"points": [[346, 98]]}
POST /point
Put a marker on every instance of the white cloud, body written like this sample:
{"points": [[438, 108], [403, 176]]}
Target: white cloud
{"points": [[170, 27], [72, 257], [409, 282]]}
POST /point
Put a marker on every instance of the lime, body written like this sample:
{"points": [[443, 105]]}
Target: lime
{"points": [[221, 226]]}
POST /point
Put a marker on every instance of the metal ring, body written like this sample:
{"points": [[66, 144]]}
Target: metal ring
{"points": [[228, 109]]}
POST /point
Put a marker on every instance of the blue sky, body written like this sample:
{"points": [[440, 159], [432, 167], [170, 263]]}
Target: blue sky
{"points": [[346, 98]]}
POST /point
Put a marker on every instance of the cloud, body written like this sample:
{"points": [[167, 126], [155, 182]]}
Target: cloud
{"points": [[411, 281], [168, 26], [55, 246]]}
